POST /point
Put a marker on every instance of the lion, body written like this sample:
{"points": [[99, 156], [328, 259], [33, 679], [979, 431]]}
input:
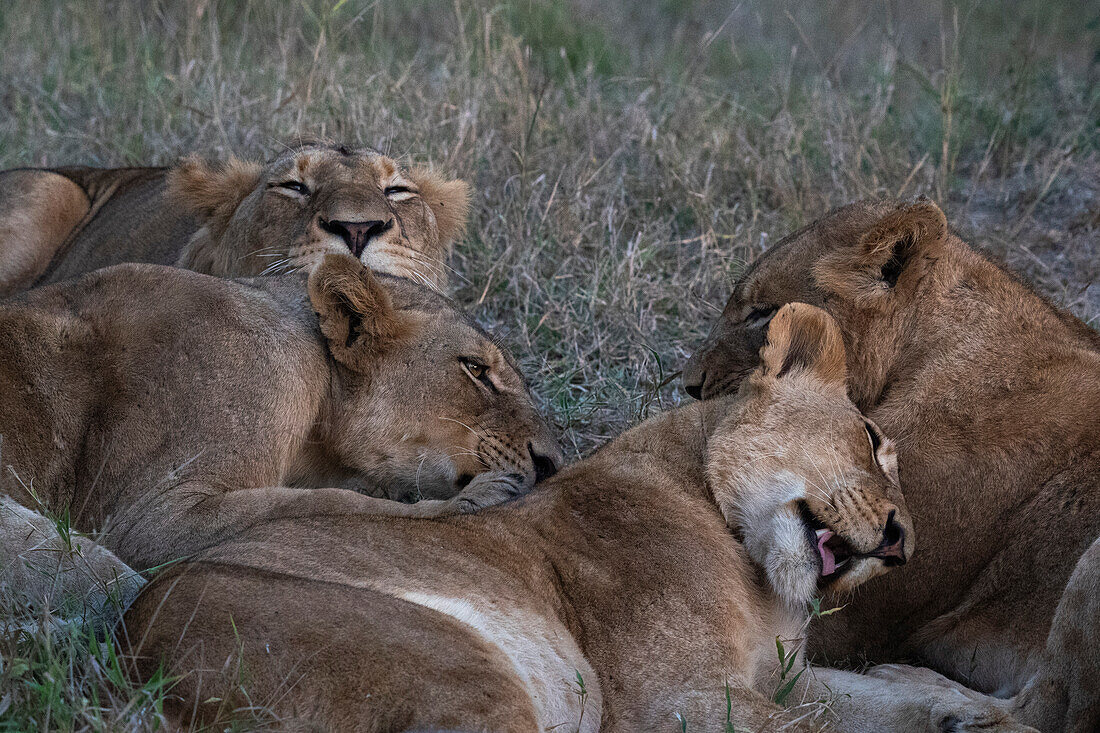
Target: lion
{"points": [[232, 218], [164, 409], [993, 393], [643, 588]]}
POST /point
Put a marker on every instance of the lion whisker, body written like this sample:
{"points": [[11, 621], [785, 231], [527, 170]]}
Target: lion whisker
{"points": [[459, 422]]}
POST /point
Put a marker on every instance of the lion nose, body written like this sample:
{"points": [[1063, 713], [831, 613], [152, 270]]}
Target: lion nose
{"points": [[546, 460], [357, 234], [694, 377], [892, 547], [693, 385]]}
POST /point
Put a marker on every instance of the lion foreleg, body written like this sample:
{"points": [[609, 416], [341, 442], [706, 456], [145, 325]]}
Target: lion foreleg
{"points": [[44, 567], [210, 516], [898, 697]]}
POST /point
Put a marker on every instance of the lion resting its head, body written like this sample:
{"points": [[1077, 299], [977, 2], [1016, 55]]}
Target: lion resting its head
{"points": [[993, 394], [315, 200], [167, 409], [231, 218], [616, 596], [782, 493]]}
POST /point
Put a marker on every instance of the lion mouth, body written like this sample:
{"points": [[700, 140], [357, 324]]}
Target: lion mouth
{"points": [[834, 554]]}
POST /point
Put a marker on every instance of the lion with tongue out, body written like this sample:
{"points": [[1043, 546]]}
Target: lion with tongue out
{"points": [[642, 589]]}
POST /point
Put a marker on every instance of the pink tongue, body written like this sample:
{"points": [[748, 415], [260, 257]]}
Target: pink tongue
{"points": [[828, 562]]}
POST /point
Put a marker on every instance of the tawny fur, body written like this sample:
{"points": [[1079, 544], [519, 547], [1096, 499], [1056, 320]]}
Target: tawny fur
{"points": [[212, 190], [334, 294], [38, 210]]}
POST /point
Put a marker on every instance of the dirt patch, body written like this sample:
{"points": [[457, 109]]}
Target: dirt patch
{"points": [[1053, 241]]}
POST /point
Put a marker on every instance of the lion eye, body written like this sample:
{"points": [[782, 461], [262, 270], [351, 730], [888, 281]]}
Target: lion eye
{"points": [[873, 437], [295, 186], [398, 193], [478, 371], [876, 442], [760, 315]]}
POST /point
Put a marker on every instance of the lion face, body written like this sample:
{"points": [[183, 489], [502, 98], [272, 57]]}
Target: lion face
{"points": [[820, 509], [861, 263], [317, 200], [425, 399]]}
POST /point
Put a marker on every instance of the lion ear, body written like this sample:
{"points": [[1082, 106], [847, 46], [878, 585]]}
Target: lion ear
{"points": [[803, 339], [212, 191], [357, 316], [449, 201], [896, 239], [899, 242]]}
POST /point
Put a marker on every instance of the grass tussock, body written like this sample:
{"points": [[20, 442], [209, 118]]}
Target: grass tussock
{"points": [[628, 160], [65, 678]]}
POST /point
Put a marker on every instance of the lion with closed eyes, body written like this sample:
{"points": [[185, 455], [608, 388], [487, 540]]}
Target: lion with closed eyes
{"points": [[230, 218], [163, 410], [993, 393]]}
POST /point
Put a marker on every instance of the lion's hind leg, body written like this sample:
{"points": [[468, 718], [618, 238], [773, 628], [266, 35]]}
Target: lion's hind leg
{"points": [[1065, 693], [316, 654], [38, 211]]}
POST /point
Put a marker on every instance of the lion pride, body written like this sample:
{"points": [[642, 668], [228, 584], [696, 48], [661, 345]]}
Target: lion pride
{"points": [[230, 218], [641, 589], [993, 396]]}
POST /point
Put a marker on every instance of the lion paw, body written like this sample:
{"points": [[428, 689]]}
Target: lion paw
{"points": [[952, 707], [490, 488]]}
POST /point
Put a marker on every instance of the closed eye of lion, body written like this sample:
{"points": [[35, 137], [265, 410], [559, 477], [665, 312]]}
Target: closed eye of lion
{"points": [[231, 218]]}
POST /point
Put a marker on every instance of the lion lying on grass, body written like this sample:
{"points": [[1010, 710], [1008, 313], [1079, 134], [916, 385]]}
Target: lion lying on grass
{"points": [[642, 589], [231, 219], [166, 409], [994, 395]]}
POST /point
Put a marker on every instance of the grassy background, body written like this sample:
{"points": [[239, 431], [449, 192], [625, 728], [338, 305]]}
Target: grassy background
{"points": [[628, 160]]}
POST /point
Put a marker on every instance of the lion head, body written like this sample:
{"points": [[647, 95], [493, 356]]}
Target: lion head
{"points": [[318, 199], [810, 484], [423, 399]]}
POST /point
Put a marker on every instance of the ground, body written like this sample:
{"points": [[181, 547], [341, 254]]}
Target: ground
{"points": [[628, 160]]}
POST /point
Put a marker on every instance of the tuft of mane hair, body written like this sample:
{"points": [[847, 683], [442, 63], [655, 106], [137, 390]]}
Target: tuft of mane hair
{"points": [[449, 201], [212, 191]]}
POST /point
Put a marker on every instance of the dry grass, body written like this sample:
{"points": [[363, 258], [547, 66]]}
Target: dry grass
{"points": [[627, 162]]}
